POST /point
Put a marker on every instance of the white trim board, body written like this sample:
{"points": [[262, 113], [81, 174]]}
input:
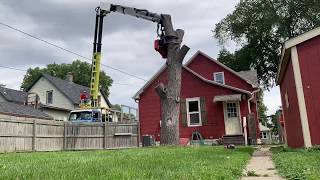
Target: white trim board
{"points": [[300, 96]]}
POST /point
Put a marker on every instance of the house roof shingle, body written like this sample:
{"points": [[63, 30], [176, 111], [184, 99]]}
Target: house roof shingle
{"points": [[251, 76], [12, 95], [70, 89], [22, 110]]}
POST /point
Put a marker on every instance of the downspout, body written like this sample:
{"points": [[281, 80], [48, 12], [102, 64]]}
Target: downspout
{"points": [[251, 98]]}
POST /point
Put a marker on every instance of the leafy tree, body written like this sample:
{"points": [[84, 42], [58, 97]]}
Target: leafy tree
{"points": [[274, 121], [262, 109], [81, 72], [260, 27], [116, 107], [236, 61]]}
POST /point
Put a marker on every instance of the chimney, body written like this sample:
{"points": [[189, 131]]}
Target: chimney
{"points": [[69, 77]]}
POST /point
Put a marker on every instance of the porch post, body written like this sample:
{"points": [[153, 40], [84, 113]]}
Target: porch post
{"points": [[244, 124]]}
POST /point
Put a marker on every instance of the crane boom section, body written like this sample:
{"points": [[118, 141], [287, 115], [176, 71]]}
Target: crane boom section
{"points": [[102, 11], [139, 13]]}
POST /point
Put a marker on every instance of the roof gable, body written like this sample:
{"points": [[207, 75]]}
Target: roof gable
{"points": [[250, 77], [69, 89], [12, 95], [286, 50], [185, 66]]}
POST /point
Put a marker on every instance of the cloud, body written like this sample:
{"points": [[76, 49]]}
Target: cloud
{"points": [[127, 41]]}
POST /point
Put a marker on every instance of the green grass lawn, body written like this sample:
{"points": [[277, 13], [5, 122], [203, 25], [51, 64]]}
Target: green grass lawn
{"points": [[205, 162], [297, 164]]}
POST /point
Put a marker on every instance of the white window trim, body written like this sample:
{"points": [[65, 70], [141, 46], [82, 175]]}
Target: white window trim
{"points": [[237, 109], [214, 76], [48, 98], [264, 133], [188, 113]]}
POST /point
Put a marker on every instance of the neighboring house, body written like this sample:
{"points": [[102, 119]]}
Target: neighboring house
{"points": [[12, 103], [265, 134], [58, 97], [11, 95], [300, 87], [214, 100], [14, 109]]}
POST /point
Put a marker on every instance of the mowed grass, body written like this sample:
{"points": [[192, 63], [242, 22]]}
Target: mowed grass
{"points": [[205, 162], [297, 164]]}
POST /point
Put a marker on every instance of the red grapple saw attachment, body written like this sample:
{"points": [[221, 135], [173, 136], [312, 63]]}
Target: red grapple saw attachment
{"points": [[161, 47]]}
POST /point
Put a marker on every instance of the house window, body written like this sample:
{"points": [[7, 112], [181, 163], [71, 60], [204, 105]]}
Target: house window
{"points": [[263, 135], [232, 110], [49, 97], [219, 77], [193, 112]]}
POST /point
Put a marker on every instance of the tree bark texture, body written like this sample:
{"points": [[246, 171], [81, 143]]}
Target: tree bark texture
{"points": [[170, 93]]}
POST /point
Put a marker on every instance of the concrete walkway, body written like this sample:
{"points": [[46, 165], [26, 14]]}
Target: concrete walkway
{"points": [[261, 166]]}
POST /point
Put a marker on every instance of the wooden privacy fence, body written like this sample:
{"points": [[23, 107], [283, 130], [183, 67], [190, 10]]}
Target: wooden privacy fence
{"points": [[29, 134]]}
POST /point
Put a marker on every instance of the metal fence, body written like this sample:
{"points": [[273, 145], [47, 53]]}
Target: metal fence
{"points": [[20, 134]]}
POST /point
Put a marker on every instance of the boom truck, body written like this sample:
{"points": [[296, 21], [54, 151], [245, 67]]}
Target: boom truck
{"points": [[90, 110]]}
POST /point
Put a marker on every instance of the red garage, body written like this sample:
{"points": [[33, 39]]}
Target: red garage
{"points": [[214, 100], [300, 89]]}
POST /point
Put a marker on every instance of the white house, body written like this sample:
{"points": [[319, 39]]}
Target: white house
{"points": [[265, 133], [58, 97]]}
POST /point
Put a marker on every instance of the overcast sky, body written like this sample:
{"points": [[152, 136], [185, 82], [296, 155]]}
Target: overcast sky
{"points": [[127, 42]]}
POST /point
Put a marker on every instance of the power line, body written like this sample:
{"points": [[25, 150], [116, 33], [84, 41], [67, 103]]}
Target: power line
{"points": [[17, 69], [69, 51], [24, 70]]}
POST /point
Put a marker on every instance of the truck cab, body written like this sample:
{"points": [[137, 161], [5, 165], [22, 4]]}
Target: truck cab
{"points": [[86, 115]]}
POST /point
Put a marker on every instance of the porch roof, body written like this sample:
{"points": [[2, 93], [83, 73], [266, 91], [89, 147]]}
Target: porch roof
{"points": [[230, 97]]}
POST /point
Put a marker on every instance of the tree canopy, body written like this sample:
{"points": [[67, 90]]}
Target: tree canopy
{"points": [[260, 27], [81, 72]]}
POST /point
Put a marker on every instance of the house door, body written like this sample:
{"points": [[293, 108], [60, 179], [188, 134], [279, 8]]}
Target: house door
{"points": [[232, 118]]}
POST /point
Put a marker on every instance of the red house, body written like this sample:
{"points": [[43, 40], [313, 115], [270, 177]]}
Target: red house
{"points": [[300, 89], [214, 100]]}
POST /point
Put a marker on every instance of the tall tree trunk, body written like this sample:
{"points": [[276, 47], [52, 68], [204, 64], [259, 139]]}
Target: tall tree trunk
{"points": [[170, 94]]}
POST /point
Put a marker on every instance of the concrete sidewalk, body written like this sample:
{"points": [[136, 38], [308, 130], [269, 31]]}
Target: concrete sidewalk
{"points": [[262, 166]]}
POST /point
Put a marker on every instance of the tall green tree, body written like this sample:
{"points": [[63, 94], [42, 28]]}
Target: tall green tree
{"points": [[274, 118], [81, 72], [262, 109], [260, 27]]}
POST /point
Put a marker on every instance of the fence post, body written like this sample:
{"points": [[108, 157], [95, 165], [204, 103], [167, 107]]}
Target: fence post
{"points": [[34, 135], [64, 135], [105, 136]]}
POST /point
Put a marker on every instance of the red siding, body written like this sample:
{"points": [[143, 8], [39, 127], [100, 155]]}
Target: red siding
{"points": [[204, 66], [309, 61], [291, 114], [149, 107]]}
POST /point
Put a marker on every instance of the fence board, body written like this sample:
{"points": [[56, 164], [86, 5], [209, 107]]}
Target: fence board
{"points": [[27, 134]]}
